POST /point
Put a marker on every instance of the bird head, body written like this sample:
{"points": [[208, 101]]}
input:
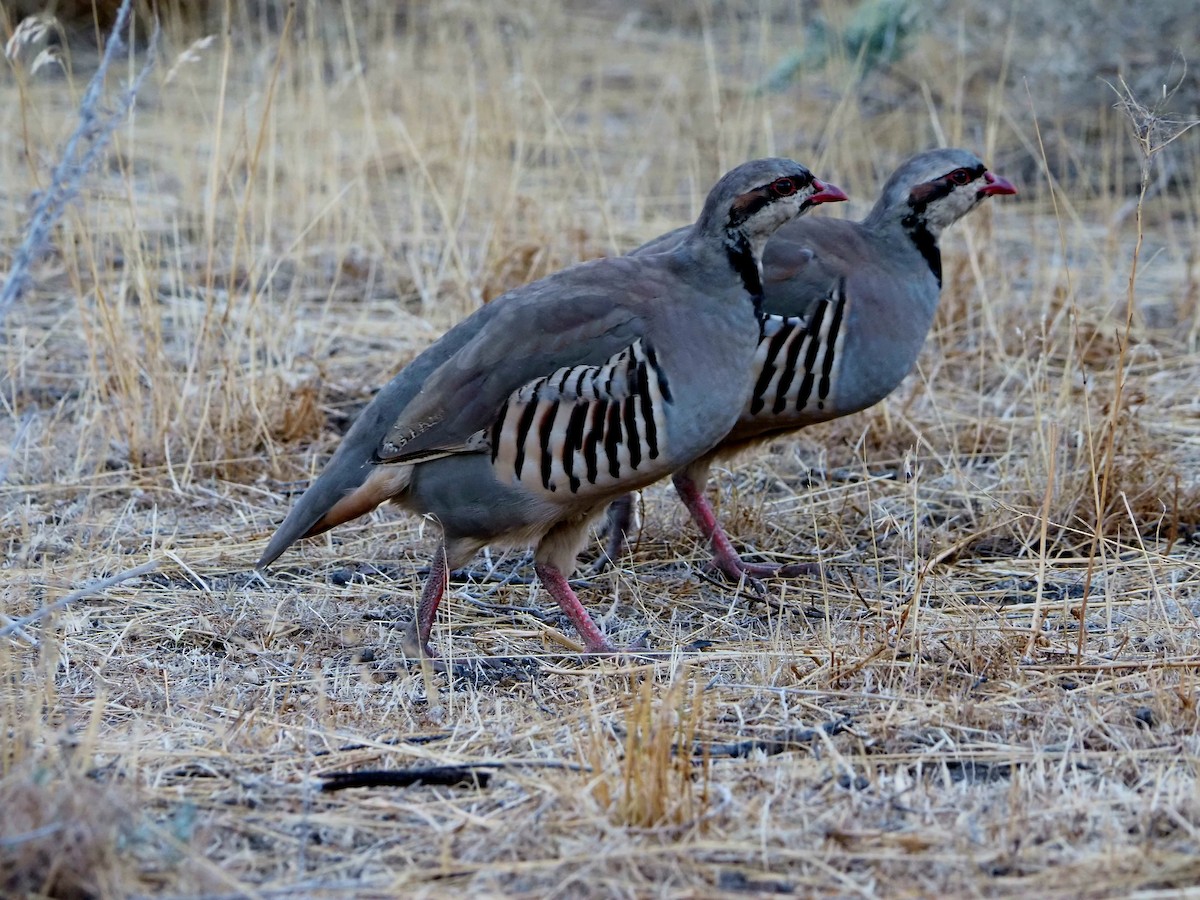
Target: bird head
{"points": [[751, 201], [935, 189]]}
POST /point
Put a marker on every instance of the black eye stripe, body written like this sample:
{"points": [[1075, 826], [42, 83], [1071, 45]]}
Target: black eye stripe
{"points": [[922, 195], [749, 203]]}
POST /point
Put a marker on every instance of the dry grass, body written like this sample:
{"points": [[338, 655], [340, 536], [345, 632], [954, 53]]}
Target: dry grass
{"points": [[991, 691]]}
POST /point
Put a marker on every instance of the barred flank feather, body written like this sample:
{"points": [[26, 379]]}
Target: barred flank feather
{"points": [[583, 424]]}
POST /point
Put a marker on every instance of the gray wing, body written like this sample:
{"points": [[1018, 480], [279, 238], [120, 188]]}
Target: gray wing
{"points": [[559, 322], [805, 260], [664, 243]]}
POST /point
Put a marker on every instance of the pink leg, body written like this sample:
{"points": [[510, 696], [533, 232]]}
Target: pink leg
{"points": [[415, 642], [620, 521], [555, 582], [431, 597], [725, 558]]}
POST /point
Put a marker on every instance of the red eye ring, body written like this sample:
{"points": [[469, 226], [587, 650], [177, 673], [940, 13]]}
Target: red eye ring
{"points": [[783, 187], [960, 176]]}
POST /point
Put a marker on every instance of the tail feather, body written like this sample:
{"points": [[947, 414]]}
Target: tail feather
{"points": [[332, 500], [385, 483], [334, 486], [329, 500], [351, 483]]}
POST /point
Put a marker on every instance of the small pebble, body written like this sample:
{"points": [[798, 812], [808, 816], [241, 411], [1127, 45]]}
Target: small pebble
{"points": [[855, 783]]}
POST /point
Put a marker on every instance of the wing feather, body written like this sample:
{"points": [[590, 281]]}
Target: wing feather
{"points": [[530, 342]]}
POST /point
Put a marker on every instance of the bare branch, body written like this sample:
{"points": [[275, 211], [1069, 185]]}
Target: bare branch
{"points": [[83, 150]]}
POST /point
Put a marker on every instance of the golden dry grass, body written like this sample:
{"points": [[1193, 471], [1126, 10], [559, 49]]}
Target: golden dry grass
{"points": [[991, 691]]}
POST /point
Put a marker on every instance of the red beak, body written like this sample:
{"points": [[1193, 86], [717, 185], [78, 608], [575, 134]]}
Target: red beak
{"points": [[828, 193], [996, 185]]}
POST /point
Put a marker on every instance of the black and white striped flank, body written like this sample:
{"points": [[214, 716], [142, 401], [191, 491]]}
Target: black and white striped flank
{"points": [[795, 363], [584, 425]]}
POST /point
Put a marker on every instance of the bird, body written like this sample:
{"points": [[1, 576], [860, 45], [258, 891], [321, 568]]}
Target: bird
{"points": [[522, 422], [848, 305]]}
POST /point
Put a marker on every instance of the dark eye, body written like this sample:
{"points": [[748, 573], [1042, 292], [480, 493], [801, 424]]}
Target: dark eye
{"points": [[783, 187], [960, 176]]}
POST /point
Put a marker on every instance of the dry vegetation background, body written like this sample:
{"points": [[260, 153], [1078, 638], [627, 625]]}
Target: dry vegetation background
{"points": [[991, 691]]}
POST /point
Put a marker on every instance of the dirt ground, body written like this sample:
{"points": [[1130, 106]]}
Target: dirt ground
{"points": [[989, 690]]}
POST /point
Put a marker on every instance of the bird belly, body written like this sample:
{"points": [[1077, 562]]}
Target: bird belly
{"points": [[472, 505]]}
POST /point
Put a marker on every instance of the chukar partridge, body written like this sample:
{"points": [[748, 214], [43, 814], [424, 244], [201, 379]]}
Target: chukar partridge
{"points": [[849, 305], [526, 419]]}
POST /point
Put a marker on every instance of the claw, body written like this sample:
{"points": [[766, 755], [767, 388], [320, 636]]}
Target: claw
{"points": [[733, 567]]}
